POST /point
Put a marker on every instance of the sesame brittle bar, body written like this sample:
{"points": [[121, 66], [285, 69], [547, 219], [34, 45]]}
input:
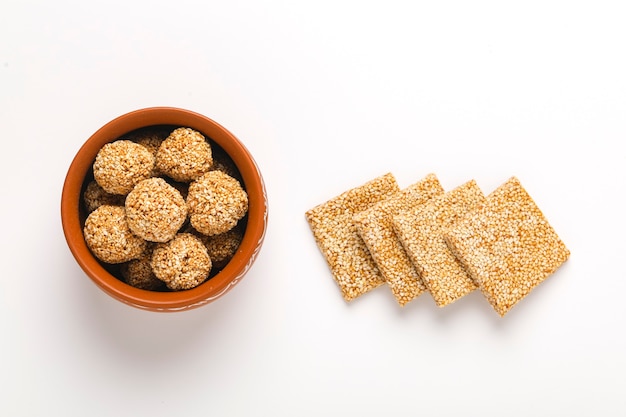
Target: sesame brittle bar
{"points": [[420, 231], [507, 246], [352, 266], [375, 226]]}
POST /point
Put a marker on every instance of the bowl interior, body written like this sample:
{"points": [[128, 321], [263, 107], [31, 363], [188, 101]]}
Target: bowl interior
{"points": [[73, 215]]}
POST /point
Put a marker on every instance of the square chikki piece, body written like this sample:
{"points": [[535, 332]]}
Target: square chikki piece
{"points": [[375, 226], [421, 232], [336, 236], [507, 246]]}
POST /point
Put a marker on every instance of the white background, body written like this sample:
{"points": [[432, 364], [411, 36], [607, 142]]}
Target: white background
{"points": [[326, 95]]}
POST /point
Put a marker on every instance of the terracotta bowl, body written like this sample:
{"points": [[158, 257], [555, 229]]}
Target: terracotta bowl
{"points": [[73, 213]]}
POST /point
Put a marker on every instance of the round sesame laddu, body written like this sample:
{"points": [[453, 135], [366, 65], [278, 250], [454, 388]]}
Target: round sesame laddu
{"points": [[109, 238], [138, 273], [216, 202], [222, 247], [120, 165], [182, 263], [95, 196], [185, 155], [155, 210], [150, 137]]}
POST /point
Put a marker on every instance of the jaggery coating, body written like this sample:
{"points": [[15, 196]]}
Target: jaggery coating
{"points": [[139, 274], [185, 155], [109, 238], [216, 202], [95, 196], [507, 246], [336, 236], [375, 226], [182, 263], [120, 165], [155, 210]]}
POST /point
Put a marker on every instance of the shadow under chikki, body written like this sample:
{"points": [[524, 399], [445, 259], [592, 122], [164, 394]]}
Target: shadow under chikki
{"points": [[473, 303]]}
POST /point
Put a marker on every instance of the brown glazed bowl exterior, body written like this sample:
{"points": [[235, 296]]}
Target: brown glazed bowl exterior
{"points": [[72, 213]]}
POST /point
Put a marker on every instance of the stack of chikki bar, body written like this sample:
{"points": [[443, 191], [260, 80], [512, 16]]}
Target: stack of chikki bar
{"points": [[448, 243]]}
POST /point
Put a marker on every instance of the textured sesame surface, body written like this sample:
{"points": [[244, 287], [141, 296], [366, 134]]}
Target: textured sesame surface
{"points": [[420, 231], [95, 196], [222, 247], [151, 143], [375, 226], [182, 263], [507, 245], [335, 233], [155, 210], [185, 155], [139, 274], [109, 238], [121, 164], [216, 203], [151, 138]]}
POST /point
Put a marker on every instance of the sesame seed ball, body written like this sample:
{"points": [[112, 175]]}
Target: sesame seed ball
{"points": [[139, 274], [150, 137], [185, 155], [216, 202], [222, 247], [155, 210], [120, 165], [109, 238], [95, 196], [151, 142], [182, 263]]}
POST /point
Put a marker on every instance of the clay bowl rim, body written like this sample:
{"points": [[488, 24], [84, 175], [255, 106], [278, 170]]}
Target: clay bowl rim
{"points": [[224, 280]]}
